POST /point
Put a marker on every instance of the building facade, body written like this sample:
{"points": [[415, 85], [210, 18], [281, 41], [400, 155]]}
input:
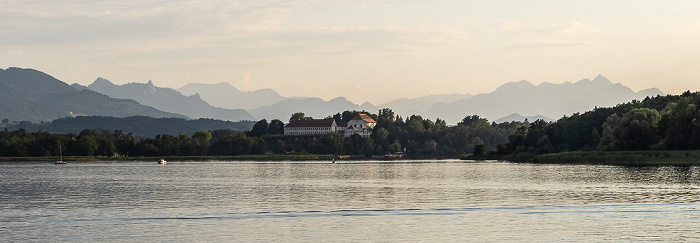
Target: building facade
{"points": [[311, 126], [361, 124]]}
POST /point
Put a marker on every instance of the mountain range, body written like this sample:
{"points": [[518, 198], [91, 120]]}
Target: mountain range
{"points": [[226, 96], [518, 117], [167, 99], [546, 99], [31, 95], [268, 104], [420, 105], [27, 94], [311, 107]]}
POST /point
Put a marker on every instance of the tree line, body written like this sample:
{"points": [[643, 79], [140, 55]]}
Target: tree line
{"points": [[413, 135], [139, 125], [670, 122], [101, 142]]}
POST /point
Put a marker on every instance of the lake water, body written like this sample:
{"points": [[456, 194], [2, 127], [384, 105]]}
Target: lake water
{"points": [[429, 201]]}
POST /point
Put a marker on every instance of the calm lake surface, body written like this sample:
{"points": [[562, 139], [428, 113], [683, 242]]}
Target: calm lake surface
{"points": [[430, 201]]}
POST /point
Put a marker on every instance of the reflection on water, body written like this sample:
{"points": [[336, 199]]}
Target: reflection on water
{"points": [[312, 201]]}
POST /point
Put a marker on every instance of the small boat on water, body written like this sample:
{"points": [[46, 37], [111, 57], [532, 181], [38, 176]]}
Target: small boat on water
{"points": [[60, 162], [162, 162]]}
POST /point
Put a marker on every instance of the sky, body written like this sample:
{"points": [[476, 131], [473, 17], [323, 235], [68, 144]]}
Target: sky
{"points": [[364, 50]]}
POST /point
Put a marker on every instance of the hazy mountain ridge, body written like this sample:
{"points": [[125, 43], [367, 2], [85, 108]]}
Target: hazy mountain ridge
{"points": [[420, 105], [268, 104], [31, 95], [311, 107], [546, 99], [316, 107], [167, 99], [227, 96], [28, 94], [518, 117]]}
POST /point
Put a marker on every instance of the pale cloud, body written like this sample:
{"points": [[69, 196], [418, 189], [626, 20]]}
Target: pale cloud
{"points": [[548, 44], [246, 81], [256, 47], [152, 26], [544, 36], [15, 51], [382, 44], [370, 3], [688, 29], [511, 27], [174, 18], [394, 39]]}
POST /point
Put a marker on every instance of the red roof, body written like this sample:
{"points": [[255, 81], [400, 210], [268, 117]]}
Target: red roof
{"points": [[364, 117], [311, 123]]}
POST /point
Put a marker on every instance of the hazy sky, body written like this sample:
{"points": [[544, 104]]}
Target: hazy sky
{"points": [[363, 50]]}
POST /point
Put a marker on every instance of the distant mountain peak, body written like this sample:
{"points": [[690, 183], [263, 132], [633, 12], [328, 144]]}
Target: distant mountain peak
{"points": [[650, 92], [600, 79], [339, 98], [515, 86], [523, 83], [226, 95], [101, 80], [224, 84], [517, 117], [151, 87]]}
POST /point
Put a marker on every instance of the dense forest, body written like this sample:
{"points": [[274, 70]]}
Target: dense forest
{"points": [[393, 134], [140, 126], [670, 122]]}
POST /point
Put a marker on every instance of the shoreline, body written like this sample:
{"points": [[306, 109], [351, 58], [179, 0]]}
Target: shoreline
{"points": [[631, 158], [627, 158], [171, 158], [236, 158]]}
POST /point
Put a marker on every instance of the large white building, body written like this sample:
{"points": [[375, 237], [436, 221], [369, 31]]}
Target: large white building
{"points": [[361, 124]]}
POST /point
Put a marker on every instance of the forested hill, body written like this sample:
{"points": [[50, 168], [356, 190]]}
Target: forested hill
{"points": [[670, 122], [31, 95], [138, 125]]}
